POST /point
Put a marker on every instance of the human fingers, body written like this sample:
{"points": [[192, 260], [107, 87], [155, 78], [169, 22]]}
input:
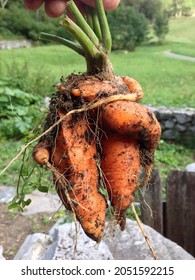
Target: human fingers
{"points": [[33, 4], [55, 8], [108, 4]]}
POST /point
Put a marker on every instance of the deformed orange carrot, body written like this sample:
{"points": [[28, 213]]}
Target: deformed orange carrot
{"points": [[74, 156], [120, 163]]}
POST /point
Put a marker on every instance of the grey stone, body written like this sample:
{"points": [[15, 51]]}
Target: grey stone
{"points": [[192, 129], [33, 247], [49, 203], [165, 115], [131, 245], [13, 44], [64, 243], [170, 134], [162, 125], [162, 112], [1, 253], [6, 194], [181, 118], [65, 238], [181, 128], [193, 120], [169, 124], [175, 118], [190, 167]]}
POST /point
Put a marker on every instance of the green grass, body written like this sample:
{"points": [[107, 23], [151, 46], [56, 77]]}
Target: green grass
{"points": [[57, 60], [182, 30], [170, 156], [38, 179], [8, 150], [187, 49], [165, 81]]}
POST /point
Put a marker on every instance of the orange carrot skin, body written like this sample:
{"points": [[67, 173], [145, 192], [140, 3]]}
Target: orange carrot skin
{"points": [[41, 153], [94, 88], [134, 87], [133, 120], [120, 163], [74, 156]]}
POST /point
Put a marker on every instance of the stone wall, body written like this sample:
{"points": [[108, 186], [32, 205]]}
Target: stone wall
{"points": [[176, 123], [6, 44]]}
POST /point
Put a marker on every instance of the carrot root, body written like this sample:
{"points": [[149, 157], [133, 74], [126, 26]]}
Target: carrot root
{"points": [[134, 87], [74, 157], [120, 163], [41, 153], [101, 117]]}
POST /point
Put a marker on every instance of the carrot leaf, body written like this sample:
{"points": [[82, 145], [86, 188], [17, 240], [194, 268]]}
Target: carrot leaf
{"points": [[70, 44]]}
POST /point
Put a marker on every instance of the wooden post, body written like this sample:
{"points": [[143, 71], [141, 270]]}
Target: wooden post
{"points": [[153, 197], [181, 209]]}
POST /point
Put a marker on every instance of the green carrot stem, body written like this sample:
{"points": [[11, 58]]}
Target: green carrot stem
{"points": [[82, 22], [96, 24], [85, 42], [106, 36], [88, 16], [53, 38]]}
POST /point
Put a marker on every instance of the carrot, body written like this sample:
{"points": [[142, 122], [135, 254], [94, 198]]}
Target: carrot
{"points": [[133, 120], [129, 137], [120, 156], [137, 122], [93, 88], [134, 87], [41, 153], [122, 135], [74, 145], [74, 156]]}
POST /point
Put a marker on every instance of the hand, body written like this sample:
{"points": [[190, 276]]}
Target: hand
{"points": [[55, 8]]}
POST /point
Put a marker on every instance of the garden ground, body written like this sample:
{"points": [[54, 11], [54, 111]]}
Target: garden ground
{"points": [[14, 228]]}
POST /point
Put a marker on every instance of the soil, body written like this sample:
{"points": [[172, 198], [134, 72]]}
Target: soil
{"points": [[14, 228]]}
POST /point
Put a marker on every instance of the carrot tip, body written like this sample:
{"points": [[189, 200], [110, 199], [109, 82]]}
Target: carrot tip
{"points": [[76, 92], [93, 237], [41, 154], [133, 86]]}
